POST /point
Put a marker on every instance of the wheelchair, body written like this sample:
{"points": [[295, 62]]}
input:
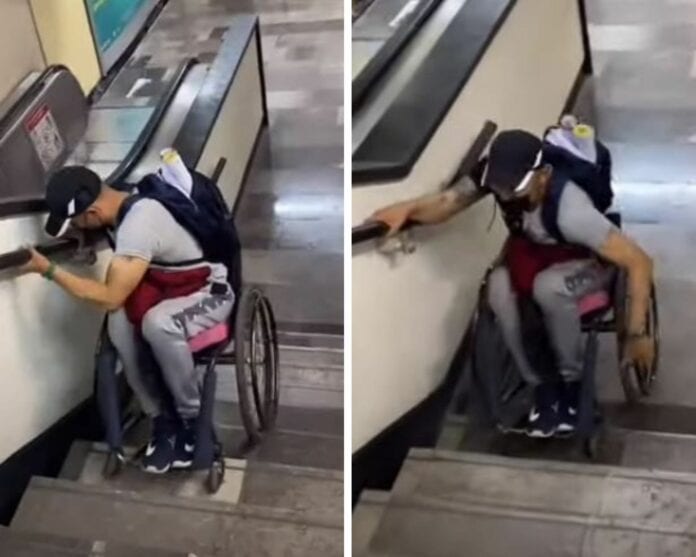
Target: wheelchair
{"points": [[600, 312], [248, 340]]}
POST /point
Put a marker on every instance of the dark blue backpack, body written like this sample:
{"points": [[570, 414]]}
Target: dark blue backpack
{"points": [[205, 216], [593, 178]]}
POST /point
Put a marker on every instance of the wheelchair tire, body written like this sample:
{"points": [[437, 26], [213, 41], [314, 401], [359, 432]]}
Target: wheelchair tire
{"points": [[256, 353], [245, 369], [114, 464], [271, 368], [216, 475]]}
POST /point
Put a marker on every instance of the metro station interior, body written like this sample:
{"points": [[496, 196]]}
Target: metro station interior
{"points": [[250, 95], [432, 83], [252, 134]]}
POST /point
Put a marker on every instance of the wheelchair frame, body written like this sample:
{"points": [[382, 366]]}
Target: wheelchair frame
{"points": [[610, 319], [253, 334]]}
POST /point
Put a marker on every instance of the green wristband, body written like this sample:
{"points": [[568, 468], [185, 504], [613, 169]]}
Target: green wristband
{"points": [[49, 272]]}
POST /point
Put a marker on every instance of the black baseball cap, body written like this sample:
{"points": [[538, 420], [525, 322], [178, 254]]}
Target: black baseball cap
{"points": [[70, 191], [513, 155]]}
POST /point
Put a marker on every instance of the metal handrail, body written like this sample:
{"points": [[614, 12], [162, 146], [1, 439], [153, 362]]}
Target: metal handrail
{"points": [[134, 154], [19, 257], [373, 230]]}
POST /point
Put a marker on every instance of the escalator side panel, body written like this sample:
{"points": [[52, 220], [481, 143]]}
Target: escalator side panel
{"points": [[40, 140]]}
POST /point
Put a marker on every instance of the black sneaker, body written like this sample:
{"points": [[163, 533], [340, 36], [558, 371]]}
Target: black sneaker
{"points": [[159, 453], [543, 417], [185, 445], [568, 408]]}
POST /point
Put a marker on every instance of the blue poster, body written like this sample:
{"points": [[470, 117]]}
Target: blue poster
{"points": [[115, 25], [110, 18]]}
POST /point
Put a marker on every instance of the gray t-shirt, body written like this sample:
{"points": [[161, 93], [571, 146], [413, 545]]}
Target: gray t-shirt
{"points": [[150, 232], [578, 220]]}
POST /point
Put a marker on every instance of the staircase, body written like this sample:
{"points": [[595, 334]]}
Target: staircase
{"points": [[539, 499], [284, 497]]}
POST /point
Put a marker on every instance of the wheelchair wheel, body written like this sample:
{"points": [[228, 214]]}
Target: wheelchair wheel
{"points": [[255, 359], [216, 475], [272, 387], [635, 384], [114, 464]]}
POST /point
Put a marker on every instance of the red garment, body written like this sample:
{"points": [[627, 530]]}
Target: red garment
{"points": [[158, 285], [525, 259]]}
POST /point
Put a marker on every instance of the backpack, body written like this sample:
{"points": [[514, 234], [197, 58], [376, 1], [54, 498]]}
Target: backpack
{"points": [[576, 156], [205, 215]]}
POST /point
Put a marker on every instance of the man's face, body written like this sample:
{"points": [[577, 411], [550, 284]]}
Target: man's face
{"points": [[529, 196]]}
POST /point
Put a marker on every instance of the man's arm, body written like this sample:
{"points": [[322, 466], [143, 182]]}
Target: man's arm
{"points": [[123, 276], [622, 251], [625, 253], [430, 209]]}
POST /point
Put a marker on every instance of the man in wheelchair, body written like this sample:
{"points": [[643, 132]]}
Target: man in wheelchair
{"points": [[170, 280], [558, 253]]}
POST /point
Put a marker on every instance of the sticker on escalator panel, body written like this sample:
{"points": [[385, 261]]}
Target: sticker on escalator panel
{"points": [[44, 135]]}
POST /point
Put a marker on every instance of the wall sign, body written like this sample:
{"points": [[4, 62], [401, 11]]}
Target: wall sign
{"points": [[44, 135]]}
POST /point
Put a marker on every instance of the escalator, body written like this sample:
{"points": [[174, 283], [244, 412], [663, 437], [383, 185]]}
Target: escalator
{"points": [[279, 495]]}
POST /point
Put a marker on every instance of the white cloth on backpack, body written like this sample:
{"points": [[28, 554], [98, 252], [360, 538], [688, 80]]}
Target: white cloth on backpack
{"points": [[583, 148]]}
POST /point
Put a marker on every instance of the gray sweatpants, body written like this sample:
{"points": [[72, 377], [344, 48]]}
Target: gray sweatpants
{"points": [[166, 329], [557, 290]]}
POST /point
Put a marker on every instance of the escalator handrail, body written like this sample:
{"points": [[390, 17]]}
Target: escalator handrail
{"points": [[374, 230], [69, 246], [390, 50], [19, 257], [136, 151]]}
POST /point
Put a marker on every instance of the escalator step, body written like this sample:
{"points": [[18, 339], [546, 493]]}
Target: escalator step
{"points": [[418, 526], [656, 498], [30, 544], [173, 523], [367, 516], [256, 483]]}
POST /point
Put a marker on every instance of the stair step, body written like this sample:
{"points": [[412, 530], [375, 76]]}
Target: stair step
{"points": [[298, 449], [71, 509], [309, 437], [326, 422], [312, 340], [256, 483], [663, 451], [367, 517], [654, 497], [452, 433], [618, 446], [311, 356], [300, 386], [422, 526], [14, 543]]}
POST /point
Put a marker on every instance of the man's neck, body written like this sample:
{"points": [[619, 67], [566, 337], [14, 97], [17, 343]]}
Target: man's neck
{"points": [[117, 198]]}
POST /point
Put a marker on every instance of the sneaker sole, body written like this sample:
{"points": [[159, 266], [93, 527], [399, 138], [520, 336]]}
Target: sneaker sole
{"points": [[157, 471], [181, 464], [537, 434]]}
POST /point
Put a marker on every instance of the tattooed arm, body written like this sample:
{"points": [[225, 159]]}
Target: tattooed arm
{"points": [[431, 209]]}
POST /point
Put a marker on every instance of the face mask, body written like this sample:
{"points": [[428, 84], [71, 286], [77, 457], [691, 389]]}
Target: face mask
{"points": [[517, 206]]}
